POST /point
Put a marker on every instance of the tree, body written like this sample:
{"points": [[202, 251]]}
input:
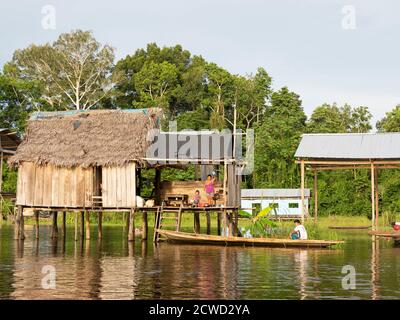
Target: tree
{"points": [[277, 138], [75, 71], [332, 119], [130, 95], [155, 82], [251, 95], [220, 90], [391, 121]]}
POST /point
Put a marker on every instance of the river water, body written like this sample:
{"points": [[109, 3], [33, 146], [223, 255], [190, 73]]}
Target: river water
{"points": [[116, 269]]}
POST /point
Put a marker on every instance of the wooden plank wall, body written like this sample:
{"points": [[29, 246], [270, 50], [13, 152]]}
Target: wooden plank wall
{"points": [[119, 186], [233, 187], [50, 186]]}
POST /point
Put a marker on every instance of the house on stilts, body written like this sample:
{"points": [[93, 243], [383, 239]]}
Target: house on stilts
{"points": [[90, 162]]}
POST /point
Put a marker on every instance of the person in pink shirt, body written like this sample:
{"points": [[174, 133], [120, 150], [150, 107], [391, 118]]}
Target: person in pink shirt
{"points": [[210, 189]]}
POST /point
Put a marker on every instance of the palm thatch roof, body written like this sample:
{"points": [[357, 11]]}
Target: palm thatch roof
{"points": [[90, 138]]}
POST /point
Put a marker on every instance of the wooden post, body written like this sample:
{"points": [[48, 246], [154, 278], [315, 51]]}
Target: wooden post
{"points": [[302, 190], [196, 216], [54, 226], [37, 224], [157, 183], [82, 226], [131, 233], [225, 225], [145, 225], [315, 196], [236, 213], [64, 224], [208, 217], [219, 223], [87, 223], [1, 184], [127, 217], [100, 225], [376, 199], [373, 195], [76, 226], [19, 224]]}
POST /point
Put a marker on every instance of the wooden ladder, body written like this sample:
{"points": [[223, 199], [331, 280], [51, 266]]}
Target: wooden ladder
{"points": [[164, 214]]}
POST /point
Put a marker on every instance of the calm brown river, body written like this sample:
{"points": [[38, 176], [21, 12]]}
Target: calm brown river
{"points": [[116, 269]]}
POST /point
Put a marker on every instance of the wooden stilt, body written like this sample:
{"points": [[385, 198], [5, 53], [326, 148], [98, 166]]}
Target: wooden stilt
{"points": [[219, 223], [87, 223], [127, 217], [54, 227], [208, 217], [145, 225], [64, 224], [236, 226], [302, 191], [100, 225], [231, 226], [196, 216], [76, 226], [376, 199], [225, 224], [373, 195], [82, 225], [19, 224], [131, 232], [315, 196], [37, 224]]}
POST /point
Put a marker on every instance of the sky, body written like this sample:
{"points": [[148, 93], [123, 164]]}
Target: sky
{"points": [[325, 51]]}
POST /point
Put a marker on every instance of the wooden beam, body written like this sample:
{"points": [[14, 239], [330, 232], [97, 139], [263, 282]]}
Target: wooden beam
{"points": [[196, 218], [376, 199], [373, 195], [315, 196], [64, 224], [302, 190], [131, 232], [82, 226], [87, 223], [36, 224], [347, 162], [54, 226], [100, 225], [145, 225], [76, 226]]}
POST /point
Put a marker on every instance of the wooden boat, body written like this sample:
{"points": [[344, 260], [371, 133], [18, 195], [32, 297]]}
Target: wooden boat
{"points": [[184, 237], [349, 227], [386, 234]]}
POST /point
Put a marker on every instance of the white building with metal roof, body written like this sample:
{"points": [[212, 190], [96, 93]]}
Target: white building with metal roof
{"points": [[286, 202]]}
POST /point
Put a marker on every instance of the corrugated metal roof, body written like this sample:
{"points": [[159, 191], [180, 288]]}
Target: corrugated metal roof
{"points": [[274, 193], [350, 146]]}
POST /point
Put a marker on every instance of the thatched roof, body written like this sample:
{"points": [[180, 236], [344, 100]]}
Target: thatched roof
{"points": [[98, 137]]}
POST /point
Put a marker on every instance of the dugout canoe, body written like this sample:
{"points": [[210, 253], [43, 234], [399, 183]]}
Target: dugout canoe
{"points": [[385, 234], [185, 237], [349, 227]]}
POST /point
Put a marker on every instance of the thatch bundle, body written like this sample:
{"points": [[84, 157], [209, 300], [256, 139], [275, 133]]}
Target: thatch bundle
{"points": [[92, 138]]}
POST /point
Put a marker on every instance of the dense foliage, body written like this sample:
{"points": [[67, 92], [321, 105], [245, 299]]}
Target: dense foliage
{"points": [[77, 72]]}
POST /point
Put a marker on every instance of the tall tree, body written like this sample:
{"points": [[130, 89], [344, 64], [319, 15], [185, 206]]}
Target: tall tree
{"points": [[75, 70], [277, 138], [391, 121]]}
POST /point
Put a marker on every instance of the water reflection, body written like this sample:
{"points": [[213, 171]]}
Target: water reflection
{"points": [[113, 268]]}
